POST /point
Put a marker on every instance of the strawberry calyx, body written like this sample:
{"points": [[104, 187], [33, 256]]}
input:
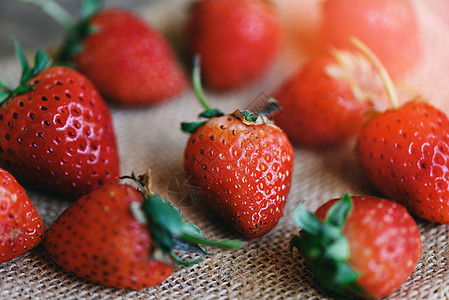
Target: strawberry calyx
{"points": [[386, 79], [246, 116], [326, 249], [77, 31], [168, 229], [250, 118], [41, 62]]}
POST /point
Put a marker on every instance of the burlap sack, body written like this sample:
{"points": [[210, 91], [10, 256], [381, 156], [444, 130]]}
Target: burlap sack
{"points": [[263, 269]]}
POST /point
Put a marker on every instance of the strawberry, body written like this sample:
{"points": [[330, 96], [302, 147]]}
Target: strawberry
{"points": [[404, 153], [21, 227], [389, 27], [237, 40], [57, 131], [326, 101], [242, 163], [129, 61], [122, 237], [358, 246]]}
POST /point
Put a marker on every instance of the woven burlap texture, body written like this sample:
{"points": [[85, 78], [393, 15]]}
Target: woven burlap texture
{"points": [[263, 268]]}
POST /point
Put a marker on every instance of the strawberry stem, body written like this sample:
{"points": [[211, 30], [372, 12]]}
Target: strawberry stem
{"points": [[209, 113], [388, 82], [196, 81], [245, 116], [77, 30], [55, 11]]}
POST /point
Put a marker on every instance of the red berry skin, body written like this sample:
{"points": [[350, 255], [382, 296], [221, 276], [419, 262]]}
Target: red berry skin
{"points": [[21, 227], [390, 28], [244, 172], [319, 110], [130, 62], [384, 241], [404, 152], [98, 238], [60, 136], [236, 39]]}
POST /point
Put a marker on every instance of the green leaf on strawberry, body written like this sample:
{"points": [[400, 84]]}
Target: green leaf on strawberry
{"points": [[41, 62], [248, 117], [326, 249], [168, 228]]}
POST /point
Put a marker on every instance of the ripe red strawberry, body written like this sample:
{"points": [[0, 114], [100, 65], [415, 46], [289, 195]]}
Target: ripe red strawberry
{"points": [[358, 246], [326, 101], [57, 131], [121, 237], [21, 227], [404, 152], [389, 27], [129, 61], [236, 39], [243, 164]]}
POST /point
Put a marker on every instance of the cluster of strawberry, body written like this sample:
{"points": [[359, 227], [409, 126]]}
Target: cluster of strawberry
{"points": [[367, 246], [57, 134]]}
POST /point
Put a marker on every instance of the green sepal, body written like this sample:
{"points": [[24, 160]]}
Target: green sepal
{"points": [[41, 62], [163, 214], [22, 60], [170, 232], [326, 249], [191, 127], [185, 263], [305, 219], [73, 42], [211, 113], [337, 213]]}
